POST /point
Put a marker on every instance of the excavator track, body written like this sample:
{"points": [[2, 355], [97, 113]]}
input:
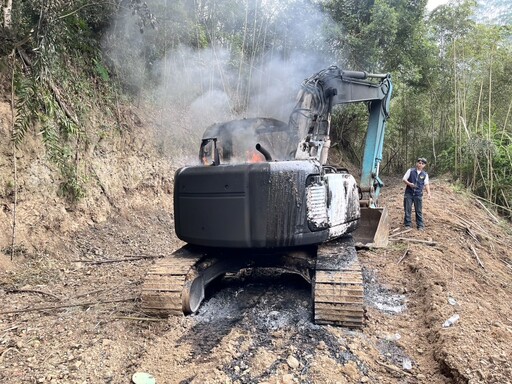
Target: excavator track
{"points": [[164, 291], [176, 285], [338, 285]]}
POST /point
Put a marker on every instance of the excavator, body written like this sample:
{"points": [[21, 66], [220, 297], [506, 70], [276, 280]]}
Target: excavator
{"points": [[264, 196]]}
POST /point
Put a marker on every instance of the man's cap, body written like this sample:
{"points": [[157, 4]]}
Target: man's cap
{"points": [[422, 159]]}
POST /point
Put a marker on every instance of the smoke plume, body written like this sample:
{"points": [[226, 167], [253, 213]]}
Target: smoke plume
{"points": [[282, 44]]}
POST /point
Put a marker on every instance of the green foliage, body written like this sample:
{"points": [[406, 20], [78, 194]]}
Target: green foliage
{"points": [[348, 127], [72, 184], [452, 89], [53, 77], [493, 158], [468, 99], [101, 70], [381, 35], [36, 103], [26, 92]]}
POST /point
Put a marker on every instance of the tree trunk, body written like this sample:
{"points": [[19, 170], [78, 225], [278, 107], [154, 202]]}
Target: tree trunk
{"points": [[7, 14]]}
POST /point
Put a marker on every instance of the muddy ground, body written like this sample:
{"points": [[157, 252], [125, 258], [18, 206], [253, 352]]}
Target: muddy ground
{"points": [[70, 312]]}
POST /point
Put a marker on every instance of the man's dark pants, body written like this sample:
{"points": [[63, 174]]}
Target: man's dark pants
{"points": [[409, 200]]}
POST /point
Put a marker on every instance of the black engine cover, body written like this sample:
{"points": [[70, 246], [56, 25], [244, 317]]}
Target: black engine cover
{"points": [[252, 205]]}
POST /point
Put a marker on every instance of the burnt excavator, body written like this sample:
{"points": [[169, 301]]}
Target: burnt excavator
{"points": [[264, 196]]}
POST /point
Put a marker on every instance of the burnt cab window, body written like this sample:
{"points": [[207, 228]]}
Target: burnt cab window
{"points": [[247, 141]]}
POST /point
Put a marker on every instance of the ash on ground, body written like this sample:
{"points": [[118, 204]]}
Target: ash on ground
{"points": [[379, 297], [265, 303]]}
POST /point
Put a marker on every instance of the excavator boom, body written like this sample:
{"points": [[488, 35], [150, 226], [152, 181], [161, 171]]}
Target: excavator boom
{"points": [[312, 119]]}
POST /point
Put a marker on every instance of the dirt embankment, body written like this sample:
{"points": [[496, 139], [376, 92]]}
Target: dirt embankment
{"points": [[70, 310]]}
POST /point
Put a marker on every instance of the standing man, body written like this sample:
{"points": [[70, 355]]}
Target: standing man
{"points": [[416, 180]]}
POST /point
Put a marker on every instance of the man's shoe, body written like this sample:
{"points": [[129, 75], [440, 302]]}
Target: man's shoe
{"points": [[421, 229], [407, 227]]}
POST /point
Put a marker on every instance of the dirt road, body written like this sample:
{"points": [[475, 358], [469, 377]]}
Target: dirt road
{"points": [[69, 313]]}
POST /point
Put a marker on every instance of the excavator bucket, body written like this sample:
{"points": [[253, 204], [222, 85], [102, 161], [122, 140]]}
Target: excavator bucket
{"points": [[373, 228]]}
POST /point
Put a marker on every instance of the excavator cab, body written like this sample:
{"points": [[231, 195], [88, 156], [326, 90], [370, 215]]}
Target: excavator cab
{"points": [[259, 140], [247, 141]]}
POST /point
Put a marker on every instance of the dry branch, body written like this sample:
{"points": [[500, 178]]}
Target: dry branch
{"points": [[494, 204], [427, 242], [56, 94], [91, 292], [393, 368], [109, 261], [110, 289], [477, 226], [403, 256], [400, 233], [489, 212], [32, 291], [139, 318], [476, 255], [9, 329], [468, 225], [89, 304], [471, 234], [7, 350]]}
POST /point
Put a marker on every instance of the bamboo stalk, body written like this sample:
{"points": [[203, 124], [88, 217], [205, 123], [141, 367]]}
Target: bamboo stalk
{"points": [[489, 212], [505, 199], [466, 224], [495, 204], [489, 122], [7, 12], [503, 132], [15, 164]]}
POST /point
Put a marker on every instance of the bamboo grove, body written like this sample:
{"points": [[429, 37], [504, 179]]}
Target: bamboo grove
{"points": [[452, 101]]}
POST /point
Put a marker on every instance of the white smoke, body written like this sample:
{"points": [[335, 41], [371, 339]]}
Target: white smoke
{"points": [[198, 87]]}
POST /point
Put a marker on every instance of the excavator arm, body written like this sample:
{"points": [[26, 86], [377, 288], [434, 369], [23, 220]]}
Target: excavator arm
{"points": [[311, 119]]}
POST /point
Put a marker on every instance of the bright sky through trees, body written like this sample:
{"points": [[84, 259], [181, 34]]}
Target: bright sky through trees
{"points": [[435, 3]]}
